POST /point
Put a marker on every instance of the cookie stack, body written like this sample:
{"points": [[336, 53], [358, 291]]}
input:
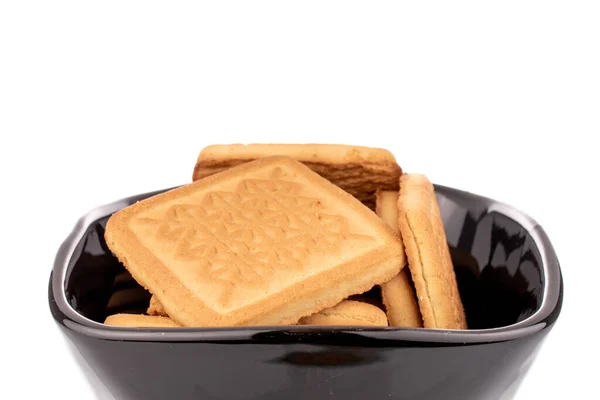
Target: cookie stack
{"points": [[290, 234]]}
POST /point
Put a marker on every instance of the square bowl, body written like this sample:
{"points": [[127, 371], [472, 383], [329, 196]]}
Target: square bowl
{"points": [[508, 276]]}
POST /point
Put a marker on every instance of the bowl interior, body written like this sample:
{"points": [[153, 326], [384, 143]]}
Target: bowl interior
{"points": [[497, 264]]}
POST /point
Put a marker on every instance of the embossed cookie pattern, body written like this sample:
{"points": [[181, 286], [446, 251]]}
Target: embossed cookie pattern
{"points": [[263, 243], [239, 239]]}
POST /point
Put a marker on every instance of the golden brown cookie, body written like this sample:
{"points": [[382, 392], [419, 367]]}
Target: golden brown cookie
{"points": [[155, 308], [428, 254], [398, 294], [400, 301], [263, 243], [348, 312], [140, 321], [358, 170], [372, 297]]}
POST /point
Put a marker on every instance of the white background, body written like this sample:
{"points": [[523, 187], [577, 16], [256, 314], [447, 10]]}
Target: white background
{"points": [[100, 100]]}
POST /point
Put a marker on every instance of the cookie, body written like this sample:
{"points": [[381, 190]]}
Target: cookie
{"points": [[155, 308], [130, 300], [398, 294], [348, 313], [428, 254], [140, 321], [358, 170], [372, 297], [263, 243]]}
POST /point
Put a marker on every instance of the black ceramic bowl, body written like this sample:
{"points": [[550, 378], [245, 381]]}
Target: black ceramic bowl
{"points": [[509, 279]]}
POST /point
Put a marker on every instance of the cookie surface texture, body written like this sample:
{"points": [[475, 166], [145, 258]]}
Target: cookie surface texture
{"points": [[140, 321], [429, 261], [398, 294], [155, 308], [358, 170], [348, 312], [266, 242]]}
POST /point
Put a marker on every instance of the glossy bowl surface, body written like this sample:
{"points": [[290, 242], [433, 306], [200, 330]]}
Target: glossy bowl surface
{"points": [[509, 279]]}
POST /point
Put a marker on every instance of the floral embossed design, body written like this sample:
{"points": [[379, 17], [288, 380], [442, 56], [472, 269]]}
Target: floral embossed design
{"points": [[245, 236]]}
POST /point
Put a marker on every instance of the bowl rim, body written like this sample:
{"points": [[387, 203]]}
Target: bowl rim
{"points": [[544, 317]]}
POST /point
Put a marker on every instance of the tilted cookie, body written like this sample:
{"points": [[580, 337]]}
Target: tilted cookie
{"points": [[428, 254], [358, 170], [140, 321], [398, 294], [263, 243], [155, 308], [348, 313], [372, 297]]}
